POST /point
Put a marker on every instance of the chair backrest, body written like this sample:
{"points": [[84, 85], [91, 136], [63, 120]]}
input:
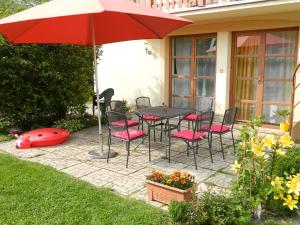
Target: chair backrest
{"points": [[143, 102], [107, 95], [229, 116], [114, 118], [116, 105], [204, 119], [204, 104]]}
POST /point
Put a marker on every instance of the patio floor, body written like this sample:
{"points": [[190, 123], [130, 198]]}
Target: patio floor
{"points": [[72, 158]]}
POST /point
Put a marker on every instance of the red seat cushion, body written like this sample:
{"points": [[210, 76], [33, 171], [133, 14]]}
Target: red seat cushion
{"points": [[133, 134], [121, 123], [188, 135], [153, 118], [216, 128], [193, 117]]}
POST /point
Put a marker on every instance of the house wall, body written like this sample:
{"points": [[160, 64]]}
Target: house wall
{"points": [[126, 67]]}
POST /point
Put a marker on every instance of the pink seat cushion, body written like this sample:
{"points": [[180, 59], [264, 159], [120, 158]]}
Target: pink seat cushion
{"points": [[154, 118], [216, 128], [133, 134], [193, 117], [188, 135], [121, 123]]}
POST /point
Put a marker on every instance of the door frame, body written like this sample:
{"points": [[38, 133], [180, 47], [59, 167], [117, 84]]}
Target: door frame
{"points": [[193, 67], [261, 66]]}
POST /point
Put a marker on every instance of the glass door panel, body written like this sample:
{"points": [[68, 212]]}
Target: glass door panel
{"points": [[206, 48], [279, 63], [246, 85], [193, 70], [182, 72]]}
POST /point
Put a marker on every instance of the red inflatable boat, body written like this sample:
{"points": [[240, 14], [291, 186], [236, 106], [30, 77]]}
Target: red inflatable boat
{"points": [[42, 137]]}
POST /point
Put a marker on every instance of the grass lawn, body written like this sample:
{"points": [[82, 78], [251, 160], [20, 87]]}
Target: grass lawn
{"points": [[4, 136], [34, 194]]}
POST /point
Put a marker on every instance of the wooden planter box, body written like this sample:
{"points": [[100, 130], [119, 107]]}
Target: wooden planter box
{"points": [[165, 194]]}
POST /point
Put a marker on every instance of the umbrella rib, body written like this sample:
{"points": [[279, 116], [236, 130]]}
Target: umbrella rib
{"points": [[25, 31], [135, 19]]}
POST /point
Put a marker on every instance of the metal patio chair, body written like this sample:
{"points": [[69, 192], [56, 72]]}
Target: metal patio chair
{"points": [[107, 95], [120, 133], [205, 104], [118, 106], [193, 136], [144, 102], [225, 127]]}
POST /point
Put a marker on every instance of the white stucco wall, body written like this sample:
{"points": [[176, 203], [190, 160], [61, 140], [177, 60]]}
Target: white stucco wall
{"points": [[127, 68], [223, 71]]}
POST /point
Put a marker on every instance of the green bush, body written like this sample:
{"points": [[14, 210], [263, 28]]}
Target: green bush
{"points": [[289, 164], [272, 222], [41, 84], [76, 123], [222, 209], [178, 211], [211, 209]]}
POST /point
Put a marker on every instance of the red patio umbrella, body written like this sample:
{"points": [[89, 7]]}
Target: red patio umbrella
{"points": [[88, 23]]}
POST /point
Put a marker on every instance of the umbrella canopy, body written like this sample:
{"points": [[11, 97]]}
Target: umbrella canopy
{"points": [[88, 23], [76, 21]]}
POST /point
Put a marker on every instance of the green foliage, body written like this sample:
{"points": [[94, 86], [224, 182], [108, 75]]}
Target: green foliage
{"points": [[283, 114], [211, 209], [76, 123], [222, 209], [289, 164], [4, 132], [272, 222], [178, 211], [41, 84], [36, 194]]}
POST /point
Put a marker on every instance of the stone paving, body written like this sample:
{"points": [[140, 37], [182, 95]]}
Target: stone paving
{"points": [[72, 158]]}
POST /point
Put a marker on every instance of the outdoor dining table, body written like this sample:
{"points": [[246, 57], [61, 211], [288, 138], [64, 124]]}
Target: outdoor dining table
{"points": [[165, 113]]}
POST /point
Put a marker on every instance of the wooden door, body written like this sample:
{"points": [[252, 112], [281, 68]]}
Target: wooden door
{"points": [[262, 67]]}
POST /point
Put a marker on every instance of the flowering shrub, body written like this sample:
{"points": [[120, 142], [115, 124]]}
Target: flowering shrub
{"points": [[182, 180], [287, 189], [254, 167]]}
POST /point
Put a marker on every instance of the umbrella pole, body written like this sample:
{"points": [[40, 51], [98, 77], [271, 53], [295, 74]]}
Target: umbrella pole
{"points": [[95, 153], [97, 98]]}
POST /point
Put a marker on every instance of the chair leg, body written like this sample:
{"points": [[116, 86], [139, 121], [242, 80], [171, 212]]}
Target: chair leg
{"points": [[222, 147], [187, 149], [154, 132], [169, 147], [161, 130], [194, 152], [127, 148], [233, 141], [189, 125], [149, 138], [108, 152], [93, 110], [139, 123], [209, 146]]}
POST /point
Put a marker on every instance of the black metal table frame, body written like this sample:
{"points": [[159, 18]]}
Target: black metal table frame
{"points": [[165, 113]]}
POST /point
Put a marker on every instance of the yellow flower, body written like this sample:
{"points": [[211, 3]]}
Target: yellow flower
{"points": [[268, 141], [236, 167], [296, 197], [294, 186], [277, 183], [258, 149], [289, 202], [286, 141], [276, 197], [280, 152]]}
